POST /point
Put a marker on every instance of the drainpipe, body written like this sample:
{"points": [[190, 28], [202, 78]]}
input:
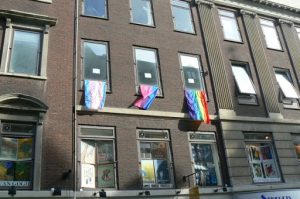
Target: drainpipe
{"points": [[75, 66]]}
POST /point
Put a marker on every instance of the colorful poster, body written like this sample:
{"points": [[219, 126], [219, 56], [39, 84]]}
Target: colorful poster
{"points": [[8, 149], [105, 151], [266, 152], [148, 171], [159, 150], [106, 175], [162, 171], [255, 153], [257, 170], [88, 176], [270, 170], [23, 171], [6, 170], [88, 152], [25, 148]]}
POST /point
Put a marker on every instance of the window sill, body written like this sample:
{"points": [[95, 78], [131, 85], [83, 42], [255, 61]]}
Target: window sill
{"points": [[234, 41], [44, 1], [274, 49], [144, 25], [23, 76], [184, 32], [95, 17]]}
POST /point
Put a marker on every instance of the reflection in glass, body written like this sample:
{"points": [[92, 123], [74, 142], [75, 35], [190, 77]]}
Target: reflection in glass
{"points": [[142, 12], [95, 8], [182, 16]]}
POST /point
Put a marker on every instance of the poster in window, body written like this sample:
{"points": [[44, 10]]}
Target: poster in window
{"points": [[257, 170], [8, 149], [23, 171], [162, 171], [105, 151], [106, 175], [6, 170], [88, 152], [25, 148], [270, 170], [255, 153], [87, 176], [147, 168], [266, 152], [159, 150]]}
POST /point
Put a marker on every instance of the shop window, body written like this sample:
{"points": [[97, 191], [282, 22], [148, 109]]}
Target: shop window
{"points": [[155, 159], [230, 26], [141, 12], [97, 157], [192, 72], [205, 158], [270, 34], [262, 157], [245, 87], [182, 16], [96, 8]]}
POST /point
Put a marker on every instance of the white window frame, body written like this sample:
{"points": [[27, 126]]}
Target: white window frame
{"points": [[96, 138], [258, 141], [264, 23], [137, 83], [108, 83], [7, 46], [169, 156], [106, 11], [232, 16], [199, 67], [214, 146], [190, 14], [151, 12]]}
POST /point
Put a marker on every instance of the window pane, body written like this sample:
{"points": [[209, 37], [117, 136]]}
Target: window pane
{"points": [[105, 151], [191, 72], [243, 80], [182, 17], [97, 132], [25, 55], [95, 61], [230, 27], [9, 148], [142, 12], [270, 34], [296, 140], [146, 67], [204, 165], [95, 8], [202, 136], [297, 149], [286, 86], [154, 134]]}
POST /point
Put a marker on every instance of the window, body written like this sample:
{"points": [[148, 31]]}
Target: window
{"points": [[96, 8], [270, 34], [288, 93], [246, 91], [141, 12], [298, 32], [296, 139], [17, 155], [155, 159], [98, 165], [95, 60], [191, 72], [146, 66], [25, 52], [182, 16], [230, 27], [262, 157], [205, 158]]}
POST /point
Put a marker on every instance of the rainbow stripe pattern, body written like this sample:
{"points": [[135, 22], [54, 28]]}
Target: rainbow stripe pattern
{"points": [[148, 95], [197, 105], [95, 94]]}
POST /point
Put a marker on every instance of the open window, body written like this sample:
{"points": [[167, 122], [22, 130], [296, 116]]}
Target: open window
{"points": [[270, 34], [245, 88], [288, 94]]}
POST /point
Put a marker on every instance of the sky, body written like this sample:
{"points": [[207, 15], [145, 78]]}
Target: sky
{"points": [[291, 3]]}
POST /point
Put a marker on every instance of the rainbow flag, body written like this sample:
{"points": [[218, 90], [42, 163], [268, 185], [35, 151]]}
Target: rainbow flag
{"points": [[95, 94], [197, 105], [148, 95]]}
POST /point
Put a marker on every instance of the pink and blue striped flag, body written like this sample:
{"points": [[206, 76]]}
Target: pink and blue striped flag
{"points": [[197, 105], [95, 94], [148, 95]]}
